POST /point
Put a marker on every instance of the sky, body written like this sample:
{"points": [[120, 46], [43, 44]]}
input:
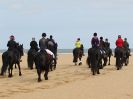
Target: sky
{"points": [[66, 20]]}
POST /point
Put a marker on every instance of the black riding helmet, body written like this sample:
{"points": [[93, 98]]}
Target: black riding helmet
{"points": [[51, 36], [78, 39], [95, 34], [119, 36], [101, 38], [106, 39], [44, 35], [125, 39]]}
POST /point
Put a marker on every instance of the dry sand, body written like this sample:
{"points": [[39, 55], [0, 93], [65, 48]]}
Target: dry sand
{"points": [[69, 82]]}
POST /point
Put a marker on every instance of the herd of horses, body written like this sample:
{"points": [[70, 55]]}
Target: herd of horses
{"points": [[97, 59], [45, 62]]}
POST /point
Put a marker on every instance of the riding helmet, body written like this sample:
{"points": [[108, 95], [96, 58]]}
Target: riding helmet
{"points": [[12, 37], [119, 36], [44, 35], [95, 34], [101, 38]]}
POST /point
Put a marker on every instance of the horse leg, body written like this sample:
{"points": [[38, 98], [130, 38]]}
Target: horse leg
{"points": [[55, 62], [80, 62], [105, 61], [30, 62], [20, 74], [109, 60], [46, 75], [15, 66], [10, 70], [39, 75], [98, 71]]}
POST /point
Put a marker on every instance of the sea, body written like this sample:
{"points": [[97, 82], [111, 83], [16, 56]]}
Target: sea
{"points": [[59, 50]]}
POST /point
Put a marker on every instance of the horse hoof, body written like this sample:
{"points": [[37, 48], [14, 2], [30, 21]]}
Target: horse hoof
{"points": [[98, 73], [1, 74], [20, 74], [46, 78], [10, 76], [80, 63], [39, 80]]}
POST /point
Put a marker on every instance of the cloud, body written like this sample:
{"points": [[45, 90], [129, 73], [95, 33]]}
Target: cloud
{"points": [[22, 7]]}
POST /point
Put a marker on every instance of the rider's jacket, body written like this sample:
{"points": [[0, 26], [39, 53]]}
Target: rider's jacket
{"points": [[107, 45], [78, 44], [102, 44], [119, 42], [11, 44], [43, 43], [95, 42], [126, 45], [33, 45]]}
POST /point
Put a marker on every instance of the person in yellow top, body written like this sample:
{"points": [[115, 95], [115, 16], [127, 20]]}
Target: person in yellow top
{"points": [[78, 43]]}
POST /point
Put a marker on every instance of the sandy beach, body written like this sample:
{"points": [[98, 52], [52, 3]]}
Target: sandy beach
{"points": [[69, 82]]}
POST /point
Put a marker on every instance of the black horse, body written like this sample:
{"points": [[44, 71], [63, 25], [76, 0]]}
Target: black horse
{"points": [[43, 62], [53, 48], [119, 54], [31, 57], [77, 54], [126, 56], [93, 60], [109, 54], [10, 58]]}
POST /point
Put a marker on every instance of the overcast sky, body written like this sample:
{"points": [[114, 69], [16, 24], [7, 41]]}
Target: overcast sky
{"points": [[66, 20]]}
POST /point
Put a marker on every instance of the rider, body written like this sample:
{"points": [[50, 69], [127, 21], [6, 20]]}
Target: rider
{"points": [[43, 42], [126, 45], [51, 43], [34, 44], [119, 44], [102, 45], [12, 46], [12, 43], [107, 44], [95, 41], [78, 44]]}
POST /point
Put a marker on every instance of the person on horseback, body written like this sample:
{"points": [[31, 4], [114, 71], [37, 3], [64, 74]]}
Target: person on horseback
{"points": [[107, 44], [43, 42], [34, 45], [126, 46], [95, 41], [102, 45], [51, 44], [12, 43], [78, 45], [119, 44]]}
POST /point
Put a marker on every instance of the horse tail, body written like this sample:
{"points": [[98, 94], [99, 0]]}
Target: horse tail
{"points": [[5, 63]]}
